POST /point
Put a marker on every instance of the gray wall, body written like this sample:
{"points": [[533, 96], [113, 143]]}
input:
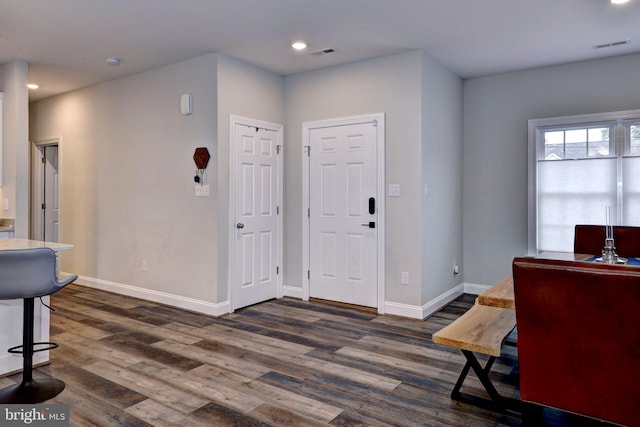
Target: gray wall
{"points": [[127, 178], [247, 91], [408, 88], [127, 189], [127, 183], [127, 156], [442, 173], [496, 111], [15, 145]]}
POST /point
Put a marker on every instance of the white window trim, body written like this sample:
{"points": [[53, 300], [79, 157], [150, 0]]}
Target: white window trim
{"points": [[538, 125]]}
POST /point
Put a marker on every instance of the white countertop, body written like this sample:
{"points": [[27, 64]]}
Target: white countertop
{"points": [[32, 244]]}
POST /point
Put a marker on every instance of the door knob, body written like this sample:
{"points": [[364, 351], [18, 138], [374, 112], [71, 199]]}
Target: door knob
{"points": [[370, 224], [239, 226]]}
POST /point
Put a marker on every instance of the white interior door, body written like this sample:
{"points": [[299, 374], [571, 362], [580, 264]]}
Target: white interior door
{"points": [[45, 203], [343, 218], [256, 192], [51, 199]]}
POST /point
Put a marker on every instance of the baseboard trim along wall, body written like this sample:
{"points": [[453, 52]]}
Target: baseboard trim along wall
{"points": [[293, 291], [220, 309], [192, 304], [474, 288], [417, 312]]}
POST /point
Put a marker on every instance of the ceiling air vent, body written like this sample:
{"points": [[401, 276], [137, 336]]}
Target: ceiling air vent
{"points": [[612, 44], [325, 51]]}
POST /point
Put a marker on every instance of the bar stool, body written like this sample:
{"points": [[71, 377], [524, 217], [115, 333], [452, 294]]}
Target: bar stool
{"points": [[28, 274]]}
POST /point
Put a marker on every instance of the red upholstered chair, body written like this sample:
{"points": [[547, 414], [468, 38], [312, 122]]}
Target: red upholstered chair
{"points": [[579, 337], [589, 239]]}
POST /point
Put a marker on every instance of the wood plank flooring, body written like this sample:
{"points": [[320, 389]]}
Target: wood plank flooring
{"points": [[129, 362]]}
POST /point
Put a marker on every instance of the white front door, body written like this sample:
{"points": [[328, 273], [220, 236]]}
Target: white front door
{"points": [[256, 170], [343, 217]]}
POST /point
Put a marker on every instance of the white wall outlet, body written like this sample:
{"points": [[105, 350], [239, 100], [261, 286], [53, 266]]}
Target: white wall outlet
{"points": [[6, 204], [404, 278], [202, 190], [394, 190], [143, 265], [456, 269]]}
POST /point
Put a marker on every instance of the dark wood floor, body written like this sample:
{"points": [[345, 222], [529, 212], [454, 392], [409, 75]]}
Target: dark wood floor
{"points": [[283, 362]]}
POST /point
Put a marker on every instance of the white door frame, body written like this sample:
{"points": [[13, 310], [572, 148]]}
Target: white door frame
{"points": [[379, 119], [278, 128], [35, 209], [36, 185]]}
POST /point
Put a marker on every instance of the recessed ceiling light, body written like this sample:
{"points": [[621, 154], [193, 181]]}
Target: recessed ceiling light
{"points": [[32, 86], [113, 60], [299, 45], [619, 1]]}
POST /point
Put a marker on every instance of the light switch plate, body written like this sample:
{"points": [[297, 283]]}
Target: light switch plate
{"points": [[202, 190]]}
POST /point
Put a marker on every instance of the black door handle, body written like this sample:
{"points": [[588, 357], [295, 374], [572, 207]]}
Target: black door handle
{"points": [[370, 224]]}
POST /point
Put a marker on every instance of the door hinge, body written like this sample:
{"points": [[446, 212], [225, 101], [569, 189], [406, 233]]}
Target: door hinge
{"points": [[308, 212], [277, 270], [277, 210], [278, 148], [309, 274], [375, 123], [44, 160], [308, 147], [44, 206]]}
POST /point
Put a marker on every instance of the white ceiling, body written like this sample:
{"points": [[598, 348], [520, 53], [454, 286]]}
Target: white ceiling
{"points": [[66, 42]]}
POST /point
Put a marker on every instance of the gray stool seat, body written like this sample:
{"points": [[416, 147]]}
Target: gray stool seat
{"points": [[27, 274]]}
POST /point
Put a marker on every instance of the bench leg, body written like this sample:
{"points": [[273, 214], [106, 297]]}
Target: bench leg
{"points": [[483, 376]]}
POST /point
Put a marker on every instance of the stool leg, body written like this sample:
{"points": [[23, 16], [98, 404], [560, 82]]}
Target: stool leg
{"points": [[30, 390], [27, 340]]}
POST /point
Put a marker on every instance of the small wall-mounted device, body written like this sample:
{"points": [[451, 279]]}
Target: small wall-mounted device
{"points": [[186, 104]]}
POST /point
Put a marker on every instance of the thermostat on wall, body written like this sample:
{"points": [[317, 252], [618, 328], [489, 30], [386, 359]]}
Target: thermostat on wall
{"points": [[186, 106]]}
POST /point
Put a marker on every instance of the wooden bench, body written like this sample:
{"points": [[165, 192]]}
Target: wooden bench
{"points": [[482, 329], [499, 295]]}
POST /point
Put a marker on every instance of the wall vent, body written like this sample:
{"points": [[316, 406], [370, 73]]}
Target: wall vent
{"points": [[612, 44], [325, 51]]}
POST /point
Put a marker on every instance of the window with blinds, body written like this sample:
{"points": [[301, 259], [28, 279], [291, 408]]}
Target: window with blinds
{"points": [[578, 166]]}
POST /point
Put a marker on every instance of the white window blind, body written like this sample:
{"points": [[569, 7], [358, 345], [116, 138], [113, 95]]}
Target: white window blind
{"points": [[578, 166], [572, 192], [631, 190]]}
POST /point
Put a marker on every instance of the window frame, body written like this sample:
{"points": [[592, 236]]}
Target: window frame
{"points": [[619, 143], [544, 129]]}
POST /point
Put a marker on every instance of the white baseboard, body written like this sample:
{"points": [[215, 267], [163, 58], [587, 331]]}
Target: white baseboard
{"points": [[219, 309], [292, 291], [474, 288], [422, 312], [404, 310], [437, 303], [192, 304]]}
